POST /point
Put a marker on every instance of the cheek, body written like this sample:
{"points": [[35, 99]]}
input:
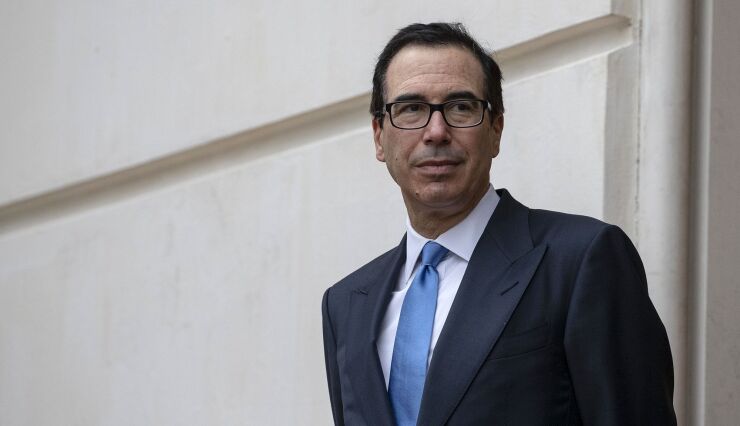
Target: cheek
{"points": [[393, 161], [480, 160], [397, 155]]}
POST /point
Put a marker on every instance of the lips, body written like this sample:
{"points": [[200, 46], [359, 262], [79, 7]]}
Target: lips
{"points": [[437, 165]]}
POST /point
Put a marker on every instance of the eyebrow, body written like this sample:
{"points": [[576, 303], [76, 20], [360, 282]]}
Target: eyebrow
{"points": [[409, 97], [462, 94]]}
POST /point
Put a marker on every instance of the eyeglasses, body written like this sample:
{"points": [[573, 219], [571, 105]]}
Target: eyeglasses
{"points": [[411, 115]]}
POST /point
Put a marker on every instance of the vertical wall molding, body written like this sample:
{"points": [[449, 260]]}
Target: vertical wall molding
{"points": [[664, 156], [697, 308]]}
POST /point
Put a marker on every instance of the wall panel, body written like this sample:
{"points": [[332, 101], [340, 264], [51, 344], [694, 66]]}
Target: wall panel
{"points": [[97, 86]]}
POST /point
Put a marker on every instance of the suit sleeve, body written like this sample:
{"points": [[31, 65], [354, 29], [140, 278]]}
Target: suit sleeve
{"points": [[616, 346], [330, 357]]}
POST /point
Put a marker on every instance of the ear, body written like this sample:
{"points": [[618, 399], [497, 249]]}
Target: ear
{"points": [[497, 128], [377, 136]]}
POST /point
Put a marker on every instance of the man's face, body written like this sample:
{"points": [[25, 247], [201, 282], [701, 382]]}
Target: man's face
{"points": [[440, 169]]}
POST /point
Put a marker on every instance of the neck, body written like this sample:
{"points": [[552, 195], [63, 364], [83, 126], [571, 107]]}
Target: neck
{"points": [[431, 223]]}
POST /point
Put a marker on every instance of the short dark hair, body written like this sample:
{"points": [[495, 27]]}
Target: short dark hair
{"points": [[436, 34]]}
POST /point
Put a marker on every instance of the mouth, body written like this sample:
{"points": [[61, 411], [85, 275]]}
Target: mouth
{"points": [[437, 166]]}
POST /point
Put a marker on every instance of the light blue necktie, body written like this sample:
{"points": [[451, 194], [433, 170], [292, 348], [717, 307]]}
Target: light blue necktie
{"points": [[413, 337]]}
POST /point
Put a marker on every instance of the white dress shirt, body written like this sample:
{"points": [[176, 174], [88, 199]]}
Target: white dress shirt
{"points": [[460, 240]]}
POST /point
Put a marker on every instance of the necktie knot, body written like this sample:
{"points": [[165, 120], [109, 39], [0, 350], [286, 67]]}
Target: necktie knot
{"points": [[432, 254]]}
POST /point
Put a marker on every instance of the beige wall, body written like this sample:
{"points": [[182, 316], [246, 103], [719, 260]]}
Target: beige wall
{"points": [[179, 183], [95, 86]]}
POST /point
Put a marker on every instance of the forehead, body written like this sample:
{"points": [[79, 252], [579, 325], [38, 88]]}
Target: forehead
{"points": [[433, 72]]}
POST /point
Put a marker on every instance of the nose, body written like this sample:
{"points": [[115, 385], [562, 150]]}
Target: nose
{"points": [[437, 130]]}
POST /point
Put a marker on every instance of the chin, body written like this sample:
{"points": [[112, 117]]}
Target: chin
{"points": [[440, 197]]}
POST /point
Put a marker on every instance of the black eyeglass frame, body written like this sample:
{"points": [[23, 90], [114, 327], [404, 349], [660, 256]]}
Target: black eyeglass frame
{"points": [[434, 107]]}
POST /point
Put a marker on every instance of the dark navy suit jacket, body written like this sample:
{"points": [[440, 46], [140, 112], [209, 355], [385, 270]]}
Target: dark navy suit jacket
{"points": [[552, 325]]}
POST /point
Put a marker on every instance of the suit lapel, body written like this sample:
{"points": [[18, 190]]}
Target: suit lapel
{"points": [[370, 302], [497, 275]]}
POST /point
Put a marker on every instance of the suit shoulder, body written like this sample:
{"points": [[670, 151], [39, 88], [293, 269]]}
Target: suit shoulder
{"points": [[567, 229], [560, 219], [573, 239], [368, 273]]}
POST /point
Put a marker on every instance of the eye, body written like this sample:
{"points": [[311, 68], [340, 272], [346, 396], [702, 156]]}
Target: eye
{"points": [[409, 108], [461, 106]]}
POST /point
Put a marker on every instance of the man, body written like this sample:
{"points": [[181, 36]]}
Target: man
{"points": [[487, 312]]}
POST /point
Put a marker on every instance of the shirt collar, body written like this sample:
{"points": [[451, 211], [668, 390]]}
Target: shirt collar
{"points": [[460, 240]]}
